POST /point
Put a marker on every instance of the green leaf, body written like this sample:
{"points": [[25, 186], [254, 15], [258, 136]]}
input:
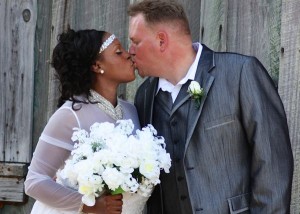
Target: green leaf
{"points": [[117, 191]]}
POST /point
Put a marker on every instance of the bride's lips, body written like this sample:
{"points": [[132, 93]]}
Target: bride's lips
{"points": [[134, 64]]}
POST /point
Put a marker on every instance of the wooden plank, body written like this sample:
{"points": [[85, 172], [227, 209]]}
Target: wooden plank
{"points": [[254, 29], [213, 24], [289, 85], [12, 189], [41, 68], [192, 10], [16, 84], [13, 169], [58, 24]]}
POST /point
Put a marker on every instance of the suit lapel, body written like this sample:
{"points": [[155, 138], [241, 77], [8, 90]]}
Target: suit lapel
{"points": [[149, 99], [203, 76]]}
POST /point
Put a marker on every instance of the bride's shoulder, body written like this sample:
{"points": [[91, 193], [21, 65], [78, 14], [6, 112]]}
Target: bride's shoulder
{"points": [[130, 111], [126, 104], [64, 114]]}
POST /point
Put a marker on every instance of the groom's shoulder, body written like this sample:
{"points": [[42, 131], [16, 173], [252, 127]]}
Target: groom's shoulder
{"points": [[228, 56]]}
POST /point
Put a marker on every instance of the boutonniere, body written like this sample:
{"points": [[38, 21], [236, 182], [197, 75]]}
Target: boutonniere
{"points": [[196, 92]]}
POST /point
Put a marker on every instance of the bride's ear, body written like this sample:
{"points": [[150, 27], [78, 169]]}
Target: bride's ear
{"points": [[96, 67]]}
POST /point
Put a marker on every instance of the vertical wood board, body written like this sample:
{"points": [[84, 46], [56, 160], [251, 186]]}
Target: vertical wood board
{"points": [[289, 85], [41, 67], [16, 83], [254, 29], [213, 24]]}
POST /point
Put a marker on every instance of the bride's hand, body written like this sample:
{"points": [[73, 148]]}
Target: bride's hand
{"points": [[106, 204]]}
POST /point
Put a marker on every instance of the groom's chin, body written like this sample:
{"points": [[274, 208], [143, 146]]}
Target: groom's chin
{"points": [[140, 73]]}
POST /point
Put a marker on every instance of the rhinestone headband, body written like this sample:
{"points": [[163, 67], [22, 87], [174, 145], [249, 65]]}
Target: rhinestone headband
{"points": [[107, 42]]}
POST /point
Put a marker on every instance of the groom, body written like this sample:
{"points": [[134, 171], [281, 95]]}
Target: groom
{"points": [[231, 153]]}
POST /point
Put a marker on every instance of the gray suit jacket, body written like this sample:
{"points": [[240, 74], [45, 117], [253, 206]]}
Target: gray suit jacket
{"points": [[238, 156]]}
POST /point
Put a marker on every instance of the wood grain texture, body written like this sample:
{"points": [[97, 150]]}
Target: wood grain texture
{"points": [[246, 27], [16, 83], [289, 85], [41, 67], [256, 31], [13, 169], [12, 189], [213, 24]]}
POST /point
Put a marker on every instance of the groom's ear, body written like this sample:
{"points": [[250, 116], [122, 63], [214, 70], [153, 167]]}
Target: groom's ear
{"points": [[163, 40]]}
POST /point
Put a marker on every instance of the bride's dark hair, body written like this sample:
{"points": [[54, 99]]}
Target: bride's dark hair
{"points": [[72, 59]]}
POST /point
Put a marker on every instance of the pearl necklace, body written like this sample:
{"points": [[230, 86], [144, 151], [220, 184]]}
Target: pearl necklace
{"points": [[115, 113]]}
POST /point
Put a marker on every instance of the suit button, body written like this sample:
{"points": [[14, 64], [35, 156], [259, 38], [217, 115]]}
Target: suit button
{"points": [[180, 178], [174, 123], [183, 197], [177, 160], [190, 168]]}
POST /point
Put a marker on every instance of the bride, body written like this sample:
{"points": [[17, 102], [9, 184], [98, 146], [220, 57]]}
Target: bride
{"points": [[90, 65]]}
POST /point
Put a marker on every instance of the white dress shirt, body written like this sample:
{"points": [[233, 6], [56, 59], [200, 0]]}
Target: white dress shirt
{"points": [[165, 85]]}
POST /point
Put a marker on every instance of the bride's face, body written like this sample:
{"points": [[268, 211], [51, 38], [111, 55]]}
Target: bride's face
{"points": [[116, 63]]}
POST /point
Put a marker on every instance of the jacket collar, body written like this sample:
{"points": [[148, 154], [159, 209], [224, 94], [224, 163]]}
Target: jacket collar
{"points": [[203, 76]]}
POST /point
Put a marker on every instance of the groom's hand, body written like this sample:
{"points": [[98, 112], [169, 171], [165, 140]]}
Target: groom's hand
{"points": [[106, 204]]}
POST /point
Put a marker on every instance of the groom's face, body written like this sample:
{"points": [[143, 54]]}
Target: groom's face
{"points": [[144, 46]]}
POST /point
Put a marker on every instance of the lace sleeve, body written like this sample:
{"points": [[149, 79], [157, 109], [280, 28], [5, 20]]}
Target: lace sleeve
{"points": [[52, 150]]}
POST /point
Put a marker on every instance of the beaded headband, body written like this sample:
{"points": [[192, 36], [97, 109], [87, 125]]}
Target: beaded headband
{"points": [[107, 42]]}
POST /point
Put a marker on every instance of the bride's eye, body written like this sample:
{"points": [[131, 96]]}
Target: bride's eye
{"points": [[119, 52]]}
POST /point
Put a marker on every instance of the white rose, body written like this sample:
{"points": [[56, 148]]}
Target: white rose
{"points": [[113, 178], [194, 87]]}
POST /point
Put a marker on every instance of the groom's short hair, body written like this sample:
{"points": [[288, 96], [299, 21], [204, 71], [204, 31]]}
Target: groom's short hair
{"points": [[161, 11]]}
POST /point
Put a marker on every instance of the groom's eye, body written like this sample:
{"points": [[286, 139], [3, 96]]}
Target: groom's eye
{"points": [[134, 42]]}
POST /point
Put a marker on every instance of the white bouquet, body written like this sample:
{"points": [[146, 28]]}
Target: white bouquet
{"points": [[110, 158]]}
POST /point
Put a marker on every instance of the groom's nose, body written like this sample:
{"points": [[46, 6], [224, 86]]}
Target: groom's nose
{"points": [[131, 50]]}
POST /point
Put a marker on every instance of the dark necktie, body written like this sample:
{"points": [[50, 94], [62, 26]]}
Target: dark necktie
{"points": [[166, 98]]}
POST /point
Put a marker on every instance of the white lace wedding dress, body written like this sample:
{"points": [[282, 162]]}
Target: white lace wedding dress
{"points": [[54, 147], [133, 203]]}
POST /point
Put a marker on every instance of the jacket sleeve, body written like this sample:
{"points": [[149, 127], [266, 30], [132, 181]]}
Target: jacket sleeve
{"points": [[265, 123]]}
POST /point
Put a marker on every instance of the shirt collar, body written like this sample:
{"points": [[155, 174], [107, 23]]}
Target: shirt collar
{"points": [[165, 85]]}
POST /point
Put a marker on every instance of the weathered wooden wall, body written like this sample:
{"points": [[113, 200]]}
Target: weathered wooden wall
{"points": [[269, 30], [289, 85], [18, 20], [17, 36]]}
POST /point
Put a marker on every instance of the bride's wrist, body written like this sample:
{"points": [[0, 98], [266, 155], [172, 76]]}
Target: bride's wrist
{"points": [[82, 209]]}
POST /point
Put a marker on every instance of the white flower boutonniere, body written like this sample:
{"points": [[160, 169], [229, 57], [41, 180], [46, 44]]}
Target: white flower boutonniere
{"points": [[196, 92]]}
